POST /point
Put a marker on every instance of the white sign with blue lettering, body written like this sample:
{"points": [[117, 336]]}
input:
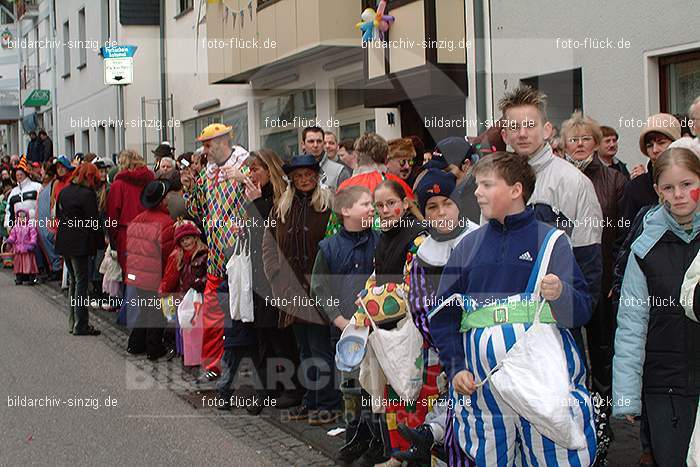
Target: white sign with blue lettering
{"points": [[119, 64]]}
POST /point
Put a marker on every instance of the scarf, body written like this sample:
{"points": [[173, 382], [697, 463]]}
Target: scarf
{"points": [[583, 164], [236, 160]]}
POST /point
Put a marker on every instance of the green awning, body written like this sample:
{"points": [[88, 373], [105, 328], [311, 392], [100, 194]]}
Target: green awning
{"points": [[37, 98]]}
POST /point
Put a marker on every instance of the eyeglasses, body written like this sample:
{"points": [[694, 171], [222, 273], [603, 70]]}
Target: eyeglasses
{"points": [[404, 162], [389, 204], [577, 139]]}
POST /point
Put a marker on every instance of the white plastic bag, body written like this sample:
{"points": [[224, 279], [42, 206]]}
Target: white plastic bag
{"points": [[186, 309], [693, 459], [533, 379], [400, 354], [240, 287], [373, 380], [110, 267]]}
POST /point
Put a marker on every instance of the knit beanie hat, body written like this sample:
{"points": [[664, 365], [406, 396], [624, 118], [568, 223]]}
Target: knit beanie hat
{"points": [[435, 182], [666, 124], [184, 228]]}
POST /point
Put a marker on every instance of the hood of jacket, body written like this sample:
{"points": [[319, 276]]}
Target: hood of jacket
{"points": [[139, 176], [656, 223]]}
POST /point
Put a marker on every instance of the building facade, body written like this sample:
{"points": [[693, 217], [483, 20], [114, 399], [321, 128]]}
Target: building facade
{"points": [[617, 61]]}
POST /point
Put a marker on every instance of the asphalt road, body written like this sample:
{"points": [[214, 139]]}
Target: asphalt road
{"points": [[93, 417]]}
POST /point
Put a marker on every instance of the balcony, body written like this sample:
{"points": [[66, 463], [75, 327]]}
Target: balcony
{"points": [[247, 39]]}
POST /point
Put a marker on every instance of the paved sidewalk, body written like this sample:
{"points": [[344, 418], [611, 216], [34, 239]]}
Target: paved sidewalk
{"points": [[293, 443]]}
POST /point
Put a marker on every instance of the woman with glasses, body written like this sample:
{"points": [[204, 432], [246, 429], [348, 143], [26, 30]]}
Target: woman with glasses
{"points": [[582, 137]]}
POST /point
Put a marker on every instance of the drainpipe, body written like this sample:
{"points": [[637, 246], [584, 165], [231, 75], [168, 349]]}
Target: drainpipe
{"points": [[480, 59], [55, 133], [163, 83]]}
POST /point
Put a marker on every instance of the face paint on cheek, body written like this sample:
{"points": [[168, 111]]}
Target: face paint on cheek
{"points": [[695, 194], [665, 203], [397, 211]]}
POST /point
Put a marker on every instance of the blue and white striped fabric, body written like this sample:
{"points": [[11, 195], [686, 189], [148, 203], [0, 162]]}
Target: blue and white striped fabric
{"points": [[490, 432]]}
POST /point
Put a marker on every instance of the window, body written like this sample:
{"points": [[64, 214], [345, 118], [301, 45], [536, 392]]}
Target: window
{"points": [[70, 146], [277, 111], [112, 145], [371, 126], [282, 119], [183, 6], [237, 117], [679, 80], [105, 20], [349, 95], [66, 49], [85, 143], [101, 143], [350, 131], [564, 92], [82, 42], [284, 143]]}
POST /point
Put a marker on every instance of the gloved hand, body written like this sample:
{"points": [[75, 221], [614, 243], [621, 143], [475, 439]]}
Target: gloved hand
{"points": [[421, 439]]}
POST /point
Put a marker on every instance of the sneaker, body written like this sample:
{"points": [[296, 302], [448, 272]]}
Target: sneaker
{"points": [[18, 281], [206, 381], [300, 412], [323, 417], [374, 454]]}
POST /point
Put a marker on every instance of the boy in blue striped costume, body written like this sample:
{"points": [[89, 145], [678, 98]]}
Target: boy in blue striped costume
{"points": [[497, 261]]}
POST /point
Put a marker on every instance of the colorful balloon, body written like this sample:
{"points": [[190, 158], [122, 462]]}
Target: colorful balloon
{"points": [[374, 22]]}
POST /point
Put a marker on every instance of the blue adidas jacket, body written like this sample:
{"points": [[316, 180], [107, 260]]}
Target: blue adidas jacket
{"points": [[495, 262]]}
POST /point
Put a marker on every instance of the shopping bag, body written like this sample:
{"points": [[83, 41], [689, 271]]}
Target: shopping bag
{"points": [[693, 459], [186, 309], [373, 380], [192, 338], [533, 379], [110, 268], [240, 287], [400, 354]]}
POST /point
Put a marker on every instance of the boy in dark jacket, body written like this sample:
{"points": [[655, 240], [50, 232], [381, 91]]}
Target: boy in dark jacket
{"points": [[343, 264], [494, 269]]}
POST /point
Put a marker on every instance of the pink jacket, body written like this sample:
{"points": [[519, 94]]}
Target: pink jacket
{"points": [[23, 238]]}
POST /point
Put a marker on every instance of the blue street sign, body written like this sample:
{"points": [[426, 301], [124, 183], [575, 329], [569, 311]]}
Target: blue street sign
{"points": [[118, 51]]}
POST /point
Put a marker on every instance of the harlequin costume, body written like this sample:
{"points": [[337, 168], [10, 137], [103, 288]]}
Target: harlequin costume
{"points": [[219, 204]]}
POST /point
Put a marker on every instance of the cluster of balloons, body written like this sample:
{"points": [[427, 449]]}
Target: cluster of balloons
{"points": [[375, 23]]}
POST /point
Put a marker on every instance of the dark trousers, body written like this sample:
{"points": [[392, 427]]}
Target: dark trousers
{"points": [[147, 334], [671, 422], [600, 333], [317, 373], [77, 267], [230, 364], [278, 348]]}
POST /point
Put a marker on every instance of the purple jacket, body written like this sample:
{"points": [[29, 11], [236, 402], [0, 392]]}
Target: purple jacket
{"points": [[23, 238]]}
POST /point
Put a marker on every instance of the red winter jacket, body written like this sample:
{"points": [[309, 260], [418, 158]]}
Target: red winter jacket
{"points": [[123, 204], [151, 239]]}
